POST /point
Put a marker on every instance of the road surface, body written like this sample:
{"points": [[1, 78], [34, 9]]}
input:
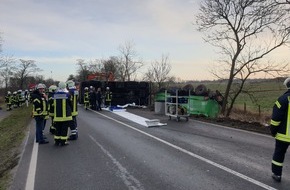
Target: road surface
{"points": [[113, 152]]}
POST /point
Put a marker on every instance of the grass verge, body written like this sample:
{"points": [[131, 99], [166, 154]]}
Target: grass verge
{"points": [[12, 132]]}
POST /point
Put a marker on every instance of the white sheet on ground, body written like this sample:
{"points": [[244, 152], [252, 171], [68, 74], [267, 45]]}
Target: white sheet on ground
{"points": [[138, 119]]}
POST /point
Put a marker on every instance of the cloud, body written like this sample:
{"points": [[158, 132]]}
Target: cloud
{"points": [[55, 33]]}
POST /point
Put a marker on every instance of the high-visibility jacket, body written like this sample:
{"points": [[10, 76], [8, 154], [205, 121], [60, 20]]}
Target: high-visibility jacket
{"points": [[108, 96], [8, 99], [86, 97], [16, 99], [45, 111], [280, 121], [50, 104], [74, 100], [39, 104], [62, 106]]}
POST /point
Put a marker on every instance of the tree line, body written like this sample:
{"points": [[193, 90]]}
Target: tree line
{"points": [[244, 32], [18, 74]]}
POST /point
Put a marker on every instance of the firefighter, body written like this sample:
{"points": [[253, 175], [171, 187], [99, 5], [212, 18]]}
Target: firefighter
{"points": [[74, 100], [15, 99], [62, 114], [108, 97], [26, 97], [8, 100], [19, 97], [38, 112], [86, 98], [280, 126], [51, 91], [93, 98], [45, 111], [99, 99]]}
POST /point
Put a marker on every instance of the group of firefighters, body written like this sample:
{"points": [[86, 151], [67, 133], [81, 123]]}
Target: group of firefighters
{"points": [[16, 99], [94, 99], [61, 106], [59, 103]]}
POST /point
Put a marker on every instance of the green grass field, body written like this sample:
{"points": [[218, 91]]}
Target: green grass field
{"points": [[262, 93]]}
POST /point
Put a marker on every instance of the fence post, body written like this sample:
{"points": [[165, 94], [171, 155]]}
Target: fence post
{"points": [[259, 110], [245, 107]]}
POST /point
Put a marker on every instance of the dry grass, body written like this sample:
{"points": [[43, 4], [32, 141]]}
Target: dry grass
{"points": [[250, 116]]}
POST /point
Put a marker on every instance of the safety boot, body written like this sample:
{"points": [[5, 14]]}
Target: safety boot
{"points": [[277, 178]]}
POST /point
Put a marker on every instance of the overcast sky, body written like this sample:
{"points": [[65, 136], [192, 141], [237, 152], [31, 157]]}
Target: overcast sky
{"points": [[55, 33]]}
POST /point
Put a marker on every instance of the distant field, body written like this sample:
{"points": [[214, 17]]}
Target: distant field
{"points": [[263, 94]]}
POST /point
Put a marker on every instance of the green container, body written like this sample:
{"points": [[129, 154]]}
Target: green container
{"points": [[159, 97], [197, 105]]}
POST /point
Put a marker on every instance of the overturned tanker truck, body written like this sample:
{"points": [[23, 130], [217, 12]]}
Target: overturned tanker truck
{"points": [[123, 92]]}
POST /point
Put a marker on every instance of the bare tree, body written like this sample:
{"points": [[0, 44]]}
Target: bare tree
{"points": [[159, 72], [111, 65], [244, 31], [7, 68], [71, 77], [83, 70], [25, 69], [128, 63], [95, 65]]}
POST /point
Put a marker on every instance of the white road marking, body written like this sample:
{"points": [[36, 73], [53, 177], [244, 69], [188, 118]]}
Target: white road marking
{"points": [[249, 179], [32, 168], [130, 181]]}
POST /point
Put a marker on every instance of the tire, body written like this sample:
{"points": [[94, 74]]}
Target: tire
{"points": [[200, 90]]}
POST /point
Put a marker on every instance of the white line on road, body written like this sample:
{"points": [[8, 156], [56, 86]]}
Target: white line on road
{"points": [[249, 179], [130, 181], [32, 168]]}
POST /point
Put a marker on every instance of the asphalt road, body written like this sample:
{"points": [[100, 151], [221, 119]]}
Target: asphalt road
{"points": [[116, 153]]}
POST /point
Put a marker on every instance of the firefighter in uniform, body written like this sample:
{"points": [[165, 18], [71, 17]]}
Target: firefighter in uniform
{"points": [[8, 100], [51, 91], [86, 98], [74, 100], [18, 95], [62, 114], [108, 97], [26, 96], [15, 99], [38, 112], [280, 127], [45, 112]]}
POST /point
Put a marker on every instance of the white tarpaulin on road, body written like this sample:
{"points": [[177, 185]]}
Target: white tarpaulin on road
{"points": [[138, 119]]}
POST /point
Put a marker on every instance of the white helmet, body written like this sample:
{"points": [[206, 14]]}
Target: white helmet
{"points": [[52, 88], [108, 88], [70, 83], [40, 86], [86, 88], [62, 85], [9, 92], [287, 83]]}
